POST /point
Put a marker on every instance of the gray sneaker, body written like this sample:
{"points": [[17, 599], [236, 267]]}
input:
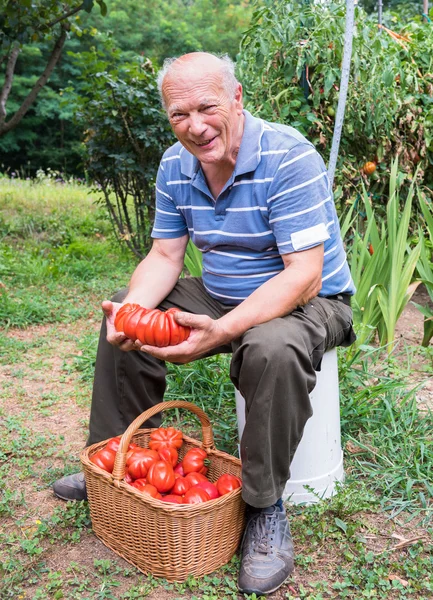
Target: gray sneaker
{"points": [[71, 487], [267, 552]]}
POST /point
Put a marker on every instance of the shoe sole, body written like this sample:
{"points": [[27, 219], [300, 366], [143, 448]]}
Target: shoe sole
{"points": [[68, 499], [262, 592]]}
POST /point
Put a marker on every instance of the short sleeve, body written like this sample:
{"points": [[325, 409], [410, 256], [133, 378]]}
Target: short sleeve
{"points": [[169, 222], [300, 203]]}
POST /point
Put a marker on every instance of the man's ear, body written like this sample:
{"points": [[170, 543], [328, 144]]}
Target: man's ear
{"points": [[239, 98]]}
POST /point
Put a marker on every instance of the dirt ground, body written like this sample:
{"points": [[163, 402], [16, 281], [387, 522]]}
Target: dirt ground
{"points": [[69, 419]]}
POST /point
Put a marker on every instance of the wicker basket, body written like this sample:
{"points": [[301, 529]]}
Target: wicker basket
{"points": [[167, 540]]}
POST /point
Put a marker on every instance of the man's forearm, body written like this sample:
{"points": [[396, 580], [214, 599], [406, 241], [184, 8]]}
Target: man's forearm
{"points": [[153, 280], [277, 297]]}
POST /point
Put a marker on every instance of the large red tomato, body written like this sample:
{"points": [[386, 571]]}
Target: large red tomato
{"points": [[142, 486], [181, 486], [161, 475], [145, 455], [151, 326], [104, 459], [227, 483], [121, 314], [139, 467], [168, 453], [195, 478], [172, 498], [210, 488], [195, 460], [195, 495], [114, 443], [165, 436]]}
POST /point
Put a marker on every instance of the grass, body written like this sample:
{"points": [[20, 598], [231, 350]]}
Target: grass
{"points": [[58, 260], [57, 255]]}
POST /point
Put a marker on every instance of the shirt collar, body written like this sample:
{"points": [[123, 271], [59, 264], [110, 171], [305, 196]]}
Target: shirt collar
{"points": [[249, 151]]}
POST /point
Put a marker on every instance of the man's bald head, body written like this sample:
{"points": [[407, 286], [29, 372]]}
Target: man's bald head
{"points": [[199, 62]]}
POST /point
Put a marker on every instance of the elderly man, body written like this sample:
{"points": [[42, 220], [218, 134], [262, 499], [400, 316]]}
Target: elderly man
{"points": [[255, 199]]}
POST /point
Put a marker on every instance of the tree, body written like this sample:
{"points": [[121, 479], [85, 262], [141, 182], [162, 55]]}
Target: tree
{"points": [[163, 28], [33, 21]]}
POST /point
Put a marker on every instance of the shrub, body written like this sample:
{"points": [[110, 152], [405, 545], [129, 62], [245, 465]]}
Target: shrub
{"points": [[127, 132], [290, 65]]}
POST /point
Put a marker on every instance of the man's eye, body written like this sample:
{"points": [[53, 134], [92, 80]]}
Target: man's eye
{"points": [[210, 107], [177, 115]]}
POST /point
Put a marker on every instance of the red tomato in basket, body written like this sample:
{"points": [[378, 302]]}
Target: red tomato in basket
{"points": [[104, 459], [195, 495], [210, 488], [178, 469], [172, 498], [195, 460], [181, 486], [195, 478], [165, 436], [146, 488], [144, 453], [128, 478], [114, 443], [140, 465], [227, 483], [169, 454], [161, 475]]}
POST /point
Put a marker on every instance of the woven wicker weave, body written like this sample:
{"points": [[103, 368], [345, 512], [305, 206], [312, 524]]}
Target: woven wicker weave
{"points": [[167, 540]]}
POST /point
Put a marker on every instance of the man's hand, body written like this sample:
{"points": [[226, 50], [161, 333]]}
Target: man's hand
{"points": [[114, 337], [206, 334]]}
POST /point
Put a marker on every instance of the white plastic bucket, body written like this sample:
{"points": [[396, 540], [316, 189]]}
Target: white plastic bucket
{"points": [[318, 460]]}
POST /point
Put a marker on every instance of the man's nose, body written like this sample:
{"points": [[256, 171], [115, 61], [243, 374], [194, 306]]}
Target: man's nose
{"points": [[197, 125]]}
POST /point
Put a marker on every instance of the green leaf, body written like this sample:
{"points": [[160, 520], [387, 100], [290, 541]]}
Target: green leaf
{"points": [[341, 524], [388, 77], [88, 5], [329, 81], [103, 7]]}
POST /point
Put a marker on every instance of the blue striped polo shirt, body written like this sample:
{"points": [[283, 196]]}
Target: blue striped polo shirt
{"points": [[277, 201]]}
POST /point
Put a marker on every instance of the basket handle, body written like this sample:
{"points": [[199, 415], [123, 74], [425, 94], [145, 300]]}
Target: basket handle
{"points": [[207, 434]]}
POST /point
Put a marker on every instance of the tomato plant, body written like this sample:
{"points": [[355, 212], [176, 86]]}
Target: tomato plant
{"points": [[151, 326], [388, 110]]}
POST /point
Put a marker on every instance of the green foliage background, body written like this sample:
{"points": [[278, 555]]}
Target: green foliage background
{"points": [[389, 107], [49, 136]]}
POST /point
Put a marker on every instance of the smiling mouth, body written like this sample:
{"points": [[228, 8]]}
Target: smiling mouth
{"points": [[204, 144]]}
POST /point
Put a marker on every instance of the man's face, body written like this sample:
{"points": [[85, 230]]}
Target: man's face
{"points": [[206, 121]]}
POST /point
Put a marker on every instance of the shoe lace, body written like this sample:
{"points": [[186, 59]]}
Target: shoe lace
{"points": [[263, 532]]}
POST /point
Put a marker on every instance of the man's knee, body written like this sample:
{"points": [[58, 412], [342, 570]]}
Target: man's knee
{"points": [[275, 342]]}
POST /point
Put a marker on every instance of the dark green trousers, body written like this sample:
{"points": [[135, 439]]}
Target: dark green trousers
{"points": [[273, 366]]}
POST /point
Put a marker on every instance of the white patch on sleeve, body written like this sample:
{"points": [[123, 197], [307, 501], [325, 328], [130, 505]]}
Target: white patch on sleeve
{"points": [[308, 237]]}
